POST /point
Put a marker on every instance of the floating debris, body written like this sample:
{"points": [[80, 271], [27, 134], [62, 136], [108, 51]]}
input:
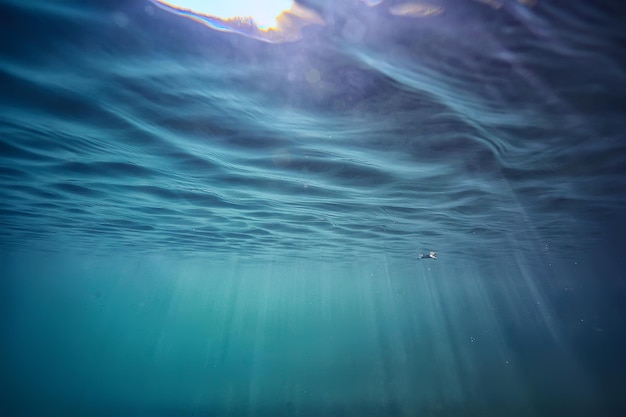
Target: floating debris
{"points": [[429, 255]]}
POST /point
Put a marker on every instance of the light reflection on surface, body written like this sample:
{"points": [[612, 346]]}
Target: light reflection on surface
{"points": [[278, 21], [415, 9], [425, 8], [273, 21]]}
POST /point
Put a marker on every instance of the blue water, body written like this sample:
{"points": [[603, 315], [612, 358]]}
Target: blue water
{"points": [[199, 223]]}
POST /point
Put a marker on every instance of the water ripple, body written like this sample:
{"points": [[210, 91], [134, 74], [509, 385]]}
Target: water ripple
{"points": [[471, 129]]}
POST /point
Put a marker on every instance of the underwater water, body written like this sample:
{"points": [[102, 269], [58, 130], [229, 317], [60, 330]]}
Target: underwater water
{"points": [[204, 218]]}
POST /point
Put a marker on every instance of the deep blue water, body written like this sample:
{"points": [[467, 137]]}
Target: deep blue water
{"points": [[198, 223]]}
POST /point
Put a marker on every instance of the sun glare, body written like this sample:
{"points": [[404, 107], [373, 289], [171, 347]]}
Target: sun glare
{"points": [[263, 12], [273, 21]]}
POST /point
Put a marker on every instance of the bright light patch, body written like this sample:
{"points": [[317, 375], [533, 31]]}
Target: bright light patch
{"points": [[267, 20], [262, 12], [415, 9]]}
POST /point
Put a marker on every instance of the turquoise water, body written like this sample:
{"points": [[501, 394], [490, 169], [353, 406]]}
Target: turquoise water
{"points": [[203, 223], [169, 337]]}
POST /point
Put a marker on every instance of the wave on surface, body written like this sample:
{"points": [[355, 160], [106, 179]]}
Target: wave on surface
{"points": [[470, 130]]}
